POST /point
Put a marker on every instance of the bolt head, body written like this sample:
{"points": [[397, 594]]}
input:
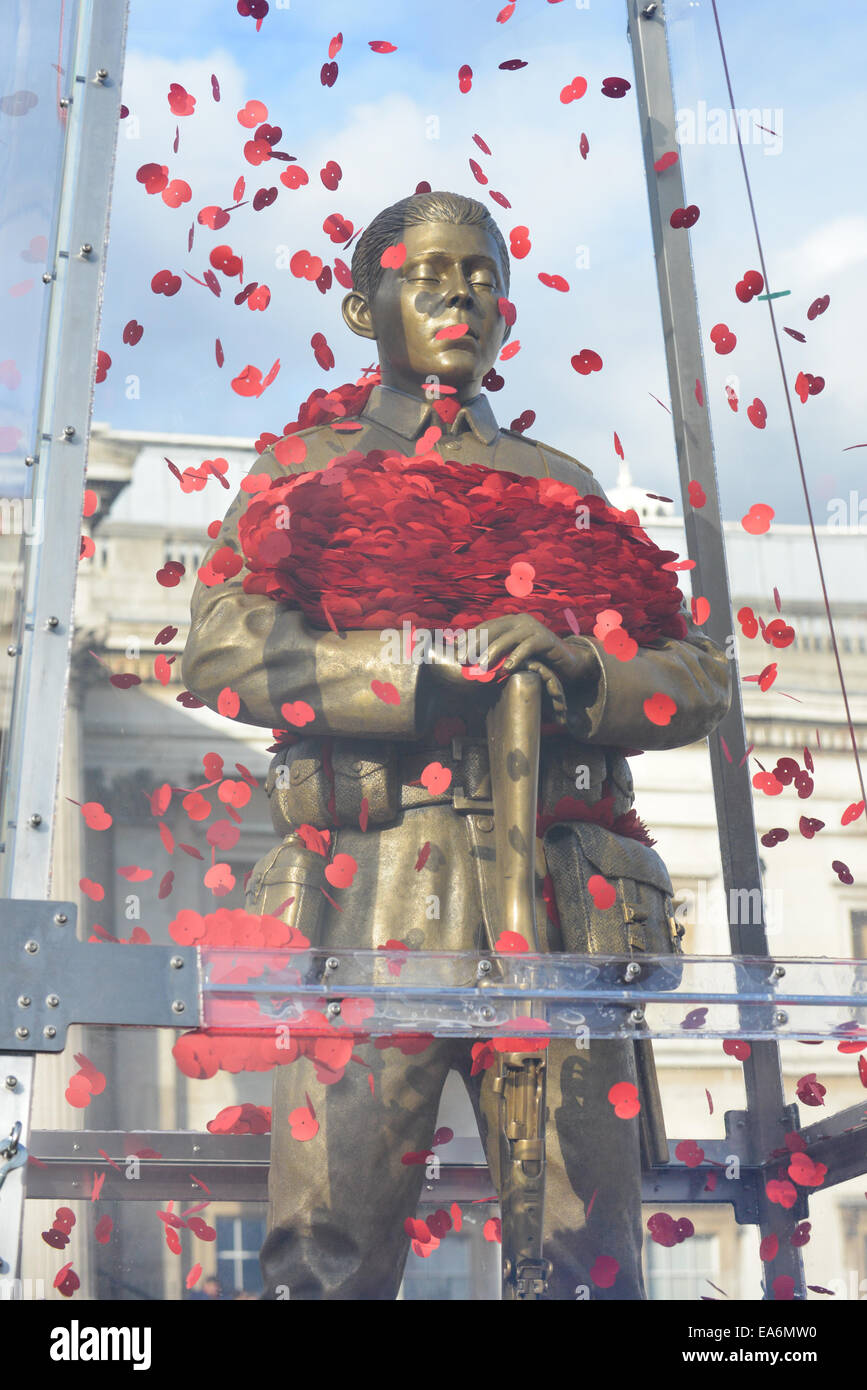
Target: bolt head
{"points": [[632, 971], [332, 963], [10, 1082], [85, 249], [30, 460], [35, 820], [485, 967], [333, 1010], [780, 1017], [68, 431], [47, 277], [102, 74], [52, 621], [486, 1012], [636, 1015]]}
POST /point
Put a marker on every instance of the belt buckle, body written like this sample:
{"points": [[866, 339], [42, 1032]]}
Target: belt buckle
{"points": [[478, 805]]}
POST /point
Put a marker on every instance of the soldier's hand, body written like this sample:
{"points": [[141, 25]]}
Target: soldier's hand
{"points": [[523, 641]]}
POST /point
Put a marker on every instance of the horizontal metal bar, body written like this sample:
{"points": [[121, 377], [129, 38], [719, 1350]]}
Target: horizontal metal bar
{"points": [[49, 979]]}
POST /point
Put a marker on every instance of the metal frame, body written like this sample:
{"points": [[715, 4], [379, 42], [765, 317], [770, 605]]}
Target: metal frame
{"points": [[678, 299], [755, 1135], [44, 646]]}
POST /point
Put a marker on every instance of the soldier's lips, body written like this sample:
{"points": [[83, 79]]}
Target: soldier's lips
{"points": [[470, 335]]}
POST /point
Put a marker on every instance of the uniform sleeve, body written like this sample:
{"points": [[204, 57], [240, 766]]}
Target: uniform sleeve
{"points": [[620, 705], [280, 666]]}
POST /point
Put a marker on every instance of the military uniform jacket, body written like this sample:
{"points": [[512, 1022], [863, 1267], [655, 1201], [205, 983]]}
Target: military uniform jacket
{"points": [[417, 878]]}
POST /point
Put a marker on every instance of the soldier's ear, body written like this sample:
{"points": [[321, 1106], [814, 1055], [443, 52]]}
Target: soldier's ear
{"points": [[356, 313]]}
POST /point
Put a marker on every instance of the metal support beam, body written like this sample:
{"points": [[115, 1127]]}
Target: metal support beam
{"points": [[39, 701], [704, 537]]}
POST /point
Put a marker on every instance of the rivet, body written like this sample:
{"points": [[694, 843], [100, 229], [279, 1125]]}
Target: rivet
{"points": [[68, 431], [85, 249], [176, 963], [332, 963], [102, 73], [632, 971], [30, 460], [52, 1001], [11, 1082], [333, 1010], [31, 947], [636, 1015], [780, 1017], [60, 919], [64, 102], [24, 1001], [52, 622], [22, 1033], [486, 1012], [778, 972], [35, 820], [178, 1006], [484, 968], [11, 650], [47, 277], [49, 1031]]}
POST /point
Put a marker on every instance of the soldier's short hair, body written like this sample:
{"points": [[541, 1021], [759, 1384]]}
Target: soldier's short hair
{"points": [[387, 228]]}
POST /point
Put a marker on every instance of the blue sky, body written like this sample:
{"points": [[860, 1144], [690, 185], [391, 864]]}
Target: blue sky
{"points": [[800, 66]]}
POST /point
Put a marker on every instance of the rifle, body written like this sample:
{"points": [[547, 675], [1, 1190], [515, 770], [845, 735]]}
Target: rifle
{"points": [[513, 732]]}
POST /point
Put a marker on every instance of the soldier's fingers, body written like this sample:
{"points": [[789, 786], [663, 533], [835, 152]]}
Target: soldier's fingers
{"points": [[500, 647], [530, 647]]}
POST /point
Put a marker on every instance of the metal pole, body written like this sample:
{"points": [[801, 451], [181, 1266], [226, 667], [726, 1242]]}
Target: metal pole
{"points": [[768, 1118], [44, 643]]}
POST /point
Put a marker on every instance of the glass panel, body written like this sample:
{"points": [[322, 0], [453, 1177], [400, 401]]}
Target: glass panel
{"points": [[238, 201], [35, 48]]}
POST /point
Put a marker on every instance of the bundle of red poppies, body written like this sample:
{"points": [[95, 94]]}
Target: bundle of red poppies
{"points": [[377, 539]]}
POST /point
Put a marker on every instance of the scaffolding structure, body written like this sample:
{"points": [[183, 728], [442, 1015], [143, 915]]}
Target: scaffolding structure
{"points": [[765, 998]]}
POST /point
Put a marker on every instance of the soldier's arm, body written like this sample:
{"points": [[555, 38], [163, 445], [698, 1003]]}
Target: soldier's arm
{"points": [[271, 655], [608, 707]]}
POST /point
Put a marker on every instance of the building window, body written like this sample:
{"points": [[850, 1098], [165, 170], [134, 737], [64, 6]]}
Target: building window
{"points": [[239, 1240], [858, 919], [683, 1271]]}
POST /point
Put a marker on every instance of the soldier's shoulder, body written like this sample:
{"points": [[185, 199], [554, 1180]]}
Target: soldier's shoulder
{"points": [[321, 443], [564, 463]]}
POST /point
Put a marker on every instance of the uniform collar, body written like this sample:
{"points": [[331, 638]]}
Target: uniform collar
{"points": [[410, 416]]}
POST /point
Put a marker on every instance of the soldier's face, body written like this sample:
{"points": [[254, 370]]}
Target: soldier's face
{"points": [[451, 275]]}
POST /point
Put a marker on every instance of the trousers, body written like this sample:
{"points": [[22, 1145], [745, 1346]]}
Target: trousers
{"points": [[338, 1202]]}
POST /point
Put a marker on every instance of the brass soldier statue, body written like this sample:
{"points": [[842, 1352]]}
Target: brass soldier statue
{"points": [[338, 1203]]}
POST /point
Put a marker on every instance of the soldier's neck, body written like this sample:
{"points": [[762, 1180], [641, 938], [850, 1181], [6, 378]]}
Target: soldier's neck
{"points": [[416, 389]]}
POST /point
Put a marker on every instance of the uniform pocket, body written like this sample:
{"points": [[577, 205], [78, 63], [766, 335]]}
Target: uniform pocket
{"points": [[641, 919], [286, 883], [365, 772]]}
